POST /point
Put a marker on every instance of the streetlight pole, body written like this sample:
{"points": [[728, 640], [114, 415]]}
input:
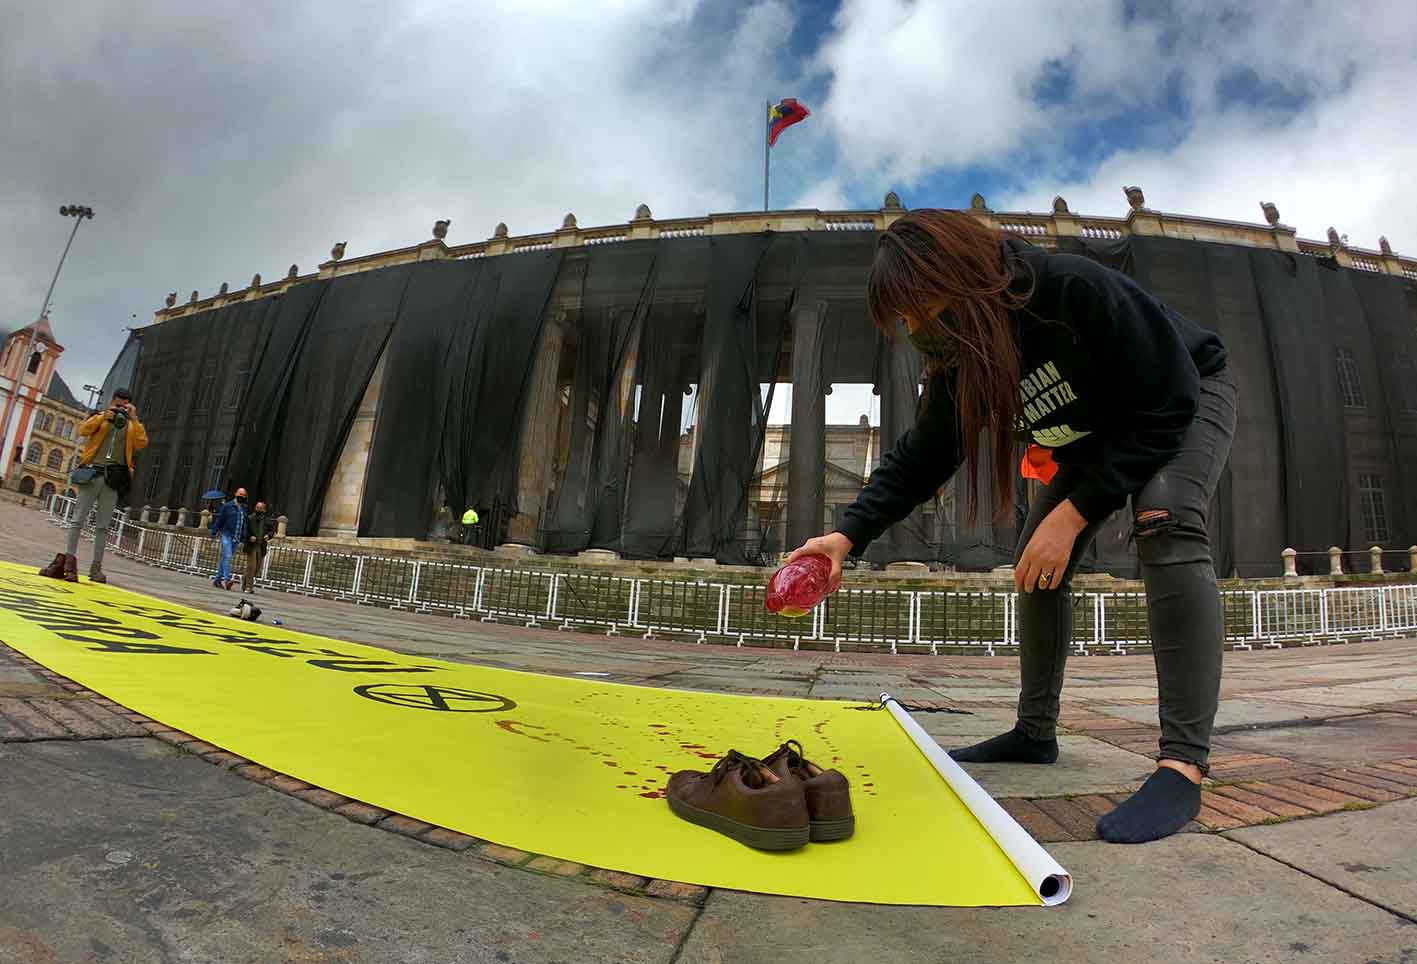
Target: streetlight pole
{"points": [[79, 213]]}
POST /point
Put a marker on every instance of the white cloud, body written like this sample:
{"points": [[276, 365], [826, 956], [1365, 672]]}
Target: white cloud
{"points": [[213, 148], [1344, 159], [918, 86]]}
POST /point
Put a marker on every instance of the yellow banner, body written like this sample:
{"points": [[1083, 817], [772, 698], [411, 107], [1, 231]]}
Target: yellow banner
{"points": [[571, 768]]}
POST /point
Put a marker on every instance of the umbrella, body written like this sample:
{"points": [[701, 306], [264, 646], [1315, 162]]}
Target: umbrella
{"points": [[213, 494]]}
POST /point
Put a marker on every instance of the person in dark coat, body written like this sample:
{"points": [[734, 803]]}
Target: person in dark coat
{"points": [[258, 537]]}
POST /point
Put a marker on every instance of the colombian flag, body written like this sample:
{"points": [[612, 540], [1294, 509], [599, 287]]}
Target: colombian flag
{"points": [[783, 115]]}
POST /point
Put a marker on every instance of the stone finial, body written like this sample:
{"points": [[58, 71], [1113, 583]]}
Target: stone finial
{"points": [[1290, 569], [222, 289], [440, 228], [500, 232], [1335, 561], [568, 223], [195, 297], [892, 201], [337, 251], [1375, 554], [1333, 239], [642, 213], [293, 273], [282, 523], [976, 202], [256, 280], [182, 517], [1060, 205], [1271, 213], [1135, 197], [1384, 247], [204, 518], [1412, 557], [171, 299]]}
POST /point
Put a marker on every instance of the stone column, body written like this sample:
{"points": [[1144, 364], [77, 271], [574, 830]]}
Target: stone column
{"points": [[1376, 555], [162, 515], [1290, 569], [1335, 561], [182, 517], [282, 522], [339, 516], [1412, 557], [540, 419], [205, 519], [143, 513], [807, 456]]}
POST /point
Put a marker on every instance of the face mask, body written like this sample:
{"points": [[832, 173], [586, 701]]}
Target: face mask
{"points": [[934, 345]]}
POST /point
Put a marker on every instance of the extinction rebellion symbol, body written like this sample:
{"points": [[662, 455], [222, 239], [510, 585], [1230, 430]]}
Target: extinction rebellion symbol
{"points": [[444, 699]]}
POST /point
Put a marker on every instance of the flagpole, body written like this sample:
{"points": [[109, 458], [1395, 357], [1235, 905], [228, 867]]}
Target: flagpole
{"points": [[767, 111]]}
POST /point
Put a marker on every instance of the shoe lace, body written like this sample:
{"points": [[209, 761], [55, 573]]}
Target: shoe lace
{"points": [[733, 760], [793, 750]]}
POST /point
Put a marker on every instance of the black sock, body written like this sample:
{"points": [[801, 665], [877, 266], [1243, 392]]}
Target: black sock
{"points": [[1014, 746], [1166, 802]]}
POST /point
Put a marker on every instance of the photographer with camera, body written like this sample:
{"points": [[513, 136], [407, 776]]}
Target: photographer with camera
{"points": [[103, 475]]}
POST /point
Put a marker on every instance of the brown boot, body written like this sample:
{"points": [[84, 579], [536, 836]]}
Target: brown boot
{"points": [[827, 791], [742, 799], [55, 570], [96, 573], [71, 568]]}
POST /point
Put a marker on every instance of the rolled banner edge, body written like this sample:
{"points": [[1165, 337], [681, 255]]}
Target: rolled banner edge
{"points": [[1046, 876]]}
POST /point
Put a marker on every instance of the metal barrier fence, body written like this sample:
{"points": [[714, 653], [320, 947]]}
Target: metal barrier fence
{"points": [[896, 620]]}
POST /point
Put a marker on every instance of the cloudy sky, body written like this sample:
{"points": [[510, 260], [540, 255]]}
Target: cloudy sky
{"points": [[219, 140]]}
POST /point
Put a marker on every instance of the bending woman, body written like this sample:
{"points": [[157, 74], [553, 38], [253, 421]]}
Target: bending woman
{"points": [[1120, 398]]}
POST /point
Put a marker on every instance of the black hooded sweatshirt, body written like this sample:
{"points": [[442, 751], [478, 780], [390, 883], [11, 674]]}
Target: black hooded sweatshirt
{"points": [[1110, 381]]}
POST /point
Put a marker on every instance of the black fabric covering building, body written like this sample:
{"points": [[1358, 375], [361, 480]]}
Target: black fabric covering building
{"points": [[616, 397]]}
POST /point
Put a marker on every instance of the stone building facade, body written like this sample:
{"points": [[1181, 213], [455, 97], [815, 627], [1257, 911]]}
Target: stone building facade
{"points": [[41, 412], [851, 451]]}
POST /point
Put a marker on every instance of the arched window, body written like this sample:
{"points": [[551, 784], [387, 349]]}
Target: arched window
{"points": [[27, 485], [34, 454], [34, 362], [56, 459], [46, 490], [41, 422]]}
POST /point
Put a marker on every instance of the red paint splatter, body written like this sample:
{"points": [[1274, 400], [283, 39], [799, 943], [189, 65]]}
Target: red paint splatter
{"points": [[707, 756], [621, 786], [653, 795], [692, 746]]}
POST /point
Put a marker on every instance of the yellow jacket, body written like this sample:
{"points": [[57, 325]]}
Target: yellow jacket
{"points": [[95, 428]]}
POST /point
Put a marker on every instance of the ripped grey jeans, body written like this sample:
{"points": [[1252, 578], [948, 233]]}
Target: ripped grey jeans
{"points": [[1183, 602]]}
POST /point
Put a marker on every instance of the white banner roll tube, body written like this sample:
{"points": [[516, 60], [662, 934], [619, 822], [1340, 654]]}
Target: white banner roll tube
{"points": [[1049, 880]]}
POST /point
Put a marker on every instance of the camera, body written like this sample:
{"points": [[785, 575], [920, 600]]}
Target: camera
{"points": [[120, 418]]}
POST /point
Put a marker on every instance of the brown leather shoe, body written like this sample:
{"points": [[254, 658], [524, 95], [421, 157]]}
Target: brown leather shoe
{"points": [[71, 568], [96, 573], [55, 570], [742, 799], [828, 793]]}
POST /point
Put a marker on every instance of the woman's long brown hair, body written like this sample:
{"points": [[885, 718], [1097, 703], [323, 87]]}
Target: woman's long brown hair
{"points": [[945, 270]]}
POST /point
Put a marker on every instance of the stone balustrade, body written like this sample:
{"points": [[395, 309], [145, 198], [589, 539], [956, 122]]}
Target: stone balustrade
{"points": [[1335, 561], [1041, 228]]}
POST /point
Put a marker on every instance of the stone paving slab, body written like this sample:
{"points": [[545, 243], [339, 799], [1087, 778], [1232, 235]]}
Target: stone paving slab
{"points": [[1368, 854], [1376, 736], [1085, 765], [133, 851], [1241, 711], [1192, 898]]}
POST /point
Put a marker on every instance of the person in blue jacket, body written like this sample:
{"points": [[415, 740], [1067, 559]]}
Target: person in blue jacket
{"points": [[229, 525], [1119, 399]]}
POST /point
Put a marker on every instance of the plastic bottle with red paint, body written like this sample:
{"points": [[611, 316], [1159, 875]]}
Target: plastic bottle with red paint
{"points": [[797, 587]]}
